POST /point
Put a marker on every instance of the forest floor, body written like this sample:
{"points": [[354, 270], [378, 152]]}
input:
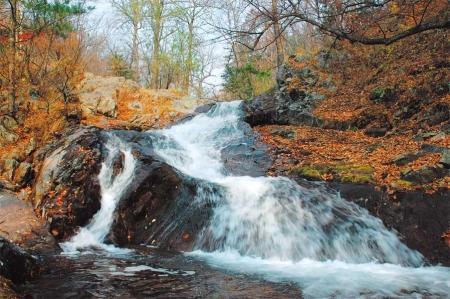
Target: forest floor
{"points": [[393, 107]]}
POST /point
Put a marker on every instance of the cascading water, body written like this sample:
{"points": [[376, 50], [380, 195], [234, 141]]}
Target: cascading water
{"points": [[282, 231], [112, 188]]}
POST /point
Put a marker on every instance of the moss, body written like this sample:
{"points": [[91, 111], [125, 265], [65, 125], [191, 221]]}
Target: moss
{"points": [[356, 178], [351, 173], [402, 184], [348, 173], [309, 172]]}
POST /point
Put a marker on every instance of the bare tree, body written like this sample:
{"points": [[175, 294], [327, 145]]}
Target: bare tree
{"points": [[190, 13], [133, 12], [370, 22]]}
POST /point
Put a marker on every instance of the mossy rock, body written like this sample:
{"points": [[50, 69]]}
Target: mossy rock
{"points": [[402, 184], [351, 173], [308, 172], [348, 173]]}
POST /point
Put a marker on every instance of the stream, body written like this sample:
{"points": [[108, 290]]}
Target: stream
{"points": [[267, 237]]}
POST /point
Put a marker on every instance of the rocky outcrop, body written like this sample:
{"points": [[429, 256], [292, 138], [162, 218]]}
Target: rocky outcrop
{"points": [[161, 206], [16, 264], [99, 94], [286, 105], [67, 191]]}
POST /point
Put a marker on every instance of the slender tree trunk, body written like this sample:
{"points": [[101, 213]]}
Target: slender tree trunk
{"points": [[13, 63], [190, 58], [135, 53], [157, 28], [278, 34]]}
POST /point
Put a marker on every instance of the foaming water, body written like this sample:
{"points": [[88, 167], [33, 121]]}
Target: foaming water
{"points": [[112, 188], [337, 279], [276, 228]]}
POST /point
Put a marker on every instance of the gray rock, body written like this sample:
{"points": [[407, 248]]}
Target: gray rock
{"points": [[406, 158]]}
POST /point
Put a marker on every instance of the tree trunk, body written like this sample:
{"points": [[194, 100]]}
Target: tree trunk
{"points": [[190, 58], [278, 33], [135, 53], [157, 28], [13, 62]]}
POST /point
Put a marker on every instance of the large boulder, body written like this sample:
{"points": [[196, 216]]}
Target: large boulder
{"points": [[161, 206], [16, 264], [67, 190], [99, 94]]}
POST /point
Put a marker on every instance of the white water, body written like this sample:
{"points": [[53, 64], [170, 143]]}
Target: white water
{"points": [[282, 231], [112, 189]]}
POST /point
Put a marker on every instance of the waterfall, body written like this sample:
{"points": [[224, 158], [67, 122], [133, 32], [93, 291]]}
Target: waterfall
{"points": [[273, 227], [111, 188]]}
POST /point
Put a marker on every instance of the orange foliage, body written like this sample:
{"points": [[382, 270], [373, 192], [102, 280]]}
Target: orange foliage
{"points": [[315, 146]]}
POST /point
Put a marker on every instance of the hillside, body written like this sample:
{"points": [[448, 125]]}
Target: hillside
{"points": [[377, 115]]}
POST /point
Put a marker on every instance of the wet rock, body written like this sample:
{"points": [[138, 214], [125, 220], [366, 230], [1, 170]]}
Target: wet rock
{"points": [[161, 205], [246, 156], [245, 159], [204, 108], [67, 191], [16, 264]]}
